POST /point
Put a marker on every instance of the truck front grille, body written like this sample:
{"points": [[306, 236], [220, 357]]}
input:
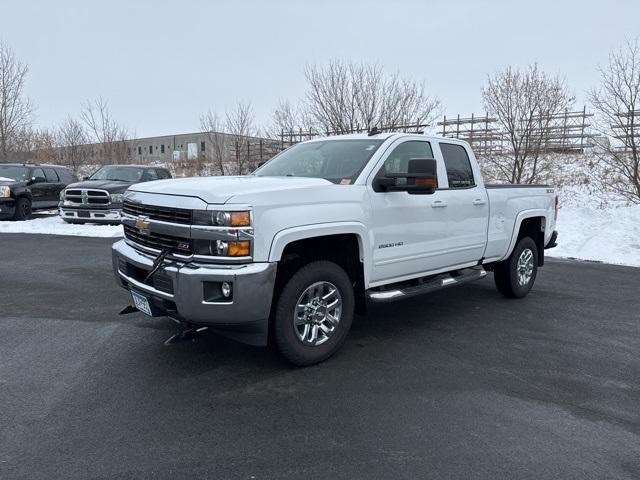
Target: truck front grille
{"points": [[85, 196], [159, 280], [159, 241], [163, 214]]}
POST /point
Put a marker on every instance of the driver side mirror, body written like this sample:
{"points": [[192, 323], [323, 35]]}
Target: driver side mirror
{"points": [[85, 178], [421, 178], [37, 180]]}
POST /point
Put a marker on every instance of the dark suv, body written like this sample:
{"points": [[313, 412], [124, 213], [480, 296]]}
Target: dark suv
{"points": [[98, 199], [24, 188]]}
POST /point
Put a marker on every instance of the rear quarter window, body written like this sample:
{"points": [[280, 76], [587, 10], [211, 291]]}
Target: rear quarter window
{"points": [[458, 165]]}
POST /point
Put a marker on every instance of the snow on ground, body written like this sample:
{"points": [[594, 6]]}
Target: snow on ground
{"points": [[54, 225], [610, 235]]}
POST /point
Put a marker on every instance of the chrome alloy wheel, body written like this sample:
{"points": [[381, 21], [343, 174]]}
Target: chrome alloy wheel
{"points": [[317, 313], [524, 268]]}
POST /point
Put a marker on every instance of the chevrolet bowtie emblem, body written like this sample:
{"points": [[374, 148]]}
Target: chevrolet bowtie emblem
{"points": [[142, 224]]}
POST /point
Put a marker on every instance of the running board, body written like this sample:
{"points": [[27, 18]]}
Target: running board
{"points": [[433, 284]]}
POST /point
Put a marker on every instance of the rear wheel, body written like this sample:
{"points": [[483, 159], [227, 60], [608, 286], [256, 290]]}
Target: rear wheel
{"points": [[23, 209], [314, 313], [515, 276]]}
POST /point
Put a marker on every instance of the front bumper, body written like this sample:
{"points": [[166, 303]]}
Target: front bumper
{"points": [[7, 207], [187, 292], [84, 214]]}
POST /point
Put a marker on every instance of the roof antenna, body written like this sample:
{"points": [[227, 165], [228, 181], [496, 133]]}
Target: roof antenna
{"points": [[374, 131]]}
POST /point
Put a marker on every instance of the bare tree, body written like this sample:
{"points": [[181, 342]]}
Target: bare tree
{"points": [[290, 123], [72, 140], [524, 102], [44, 145], [241, 127], [344, 97], [617, 102], [213, 127], [103, 130], [16, 110]]}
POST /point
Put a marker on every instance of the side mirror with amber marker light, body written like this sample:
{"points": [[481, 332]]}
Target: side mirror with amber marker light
{"points": [[421, 178]]}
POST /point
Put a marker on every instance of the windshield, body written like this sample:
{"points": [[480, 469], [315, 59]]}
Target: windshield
{"points": [[122, 174], [10, 172], [339, 161]]}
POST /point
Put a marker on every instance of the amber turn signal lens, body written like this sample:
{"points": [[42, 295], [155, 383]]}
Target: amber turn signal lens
{"points": [[428, 182], [240, 219], [239, 249]]}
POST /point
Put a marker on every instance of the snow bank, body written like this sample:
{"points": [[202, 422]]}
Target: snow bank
{"points": [[56, 226], [610, 235]]}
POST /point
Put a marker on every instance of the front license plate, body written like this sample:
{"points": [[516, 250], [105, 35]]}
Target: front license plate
{"points": [[142, 303], [82, 214]]}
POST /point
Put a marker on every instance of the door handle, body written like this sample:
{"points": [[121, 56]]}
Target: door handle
{"points": [[438, 204], [479, 201]]}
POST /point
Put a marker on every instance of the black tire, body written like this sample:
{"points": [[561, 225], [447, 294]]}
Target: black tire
{"points": [[23, 209], [292, 347], [506, 275]]}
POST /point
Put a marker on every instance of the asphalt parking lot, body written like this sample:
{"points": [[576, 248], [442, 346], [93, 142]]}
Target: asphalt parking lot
{"points": [[459, 384]]}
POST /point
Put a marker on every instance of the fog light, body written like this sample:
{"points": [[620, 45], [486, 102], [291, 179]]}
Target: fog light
{"points": [[226, 289]]}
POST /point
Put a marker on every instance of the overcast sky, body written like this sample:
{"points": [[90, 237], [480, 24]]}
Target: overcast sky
{"points": [[161, 64]]}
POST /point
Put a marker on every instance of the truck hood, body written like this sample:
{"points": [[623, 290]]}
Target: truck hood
{"points": [[222, 189], [111, 186], [8, 182]]}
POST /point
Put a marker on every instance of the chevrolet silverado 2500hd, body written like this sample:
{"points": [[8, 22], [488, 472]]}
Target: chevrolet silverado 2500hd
{"points": [[324, 229]]}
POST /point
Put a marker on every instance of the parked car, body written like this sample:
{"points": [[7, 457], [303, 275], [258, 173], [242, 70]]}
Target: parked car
{"points": [[323, 229], [26, 187], [98, 199]]}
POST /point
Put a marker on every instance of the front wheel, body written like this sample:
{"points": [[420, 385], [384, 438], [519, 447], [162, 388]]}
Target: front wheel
{"points": [[515, 276], [23, 209], [314, 313]]}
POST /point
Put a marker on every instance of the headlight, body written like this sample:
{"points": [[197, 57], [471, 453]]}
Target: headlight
{"points": [[117, 197], [5, 192], [218, 218], [220, 248], [62, 192]]}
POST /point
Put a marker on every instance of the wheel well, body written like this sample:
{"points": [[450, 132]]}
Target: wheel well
{"points": [[342, 249], [24, 194], [533, 227]]}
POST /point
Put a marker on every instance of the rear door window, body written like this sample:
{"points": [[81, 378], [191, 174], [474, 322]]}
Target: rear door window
{"points": [[37, 172], [66, 176], [458, 165], [51, 175]]}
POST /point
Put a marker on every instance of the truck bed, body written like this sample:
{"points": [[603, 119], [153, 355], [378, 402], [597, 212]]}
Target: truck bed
{"points": [[517, 185]]}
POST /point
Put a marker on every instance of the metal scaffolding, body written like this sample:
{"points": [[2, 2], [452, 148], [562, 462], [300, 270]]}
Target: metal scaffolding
{"points": [[565, 132]]}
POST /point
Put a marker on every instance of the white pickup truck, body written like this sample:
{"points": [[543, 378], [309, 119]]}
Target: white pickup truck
{"points": [[322, 230]]}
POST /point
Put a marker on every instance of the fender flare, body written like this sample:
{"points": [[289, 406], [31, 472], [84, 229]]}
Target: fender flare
{"points": [[23, 193], [537, 212], [288, 235]]}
